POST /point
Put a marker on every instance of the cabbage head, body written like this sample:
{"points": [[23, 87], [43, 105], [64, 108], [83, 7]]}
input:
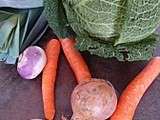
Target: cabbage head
{"points": [[124, 29]]}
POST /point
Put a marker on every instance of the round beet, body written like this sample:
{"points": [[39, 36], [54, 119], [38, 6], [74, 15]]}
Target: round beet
{"points": [[31, 62], [94, 100]]}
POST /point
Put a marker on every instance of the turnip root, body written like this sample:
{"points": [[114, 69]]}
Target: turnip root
{"points": [[31, 62], [94, 100]]}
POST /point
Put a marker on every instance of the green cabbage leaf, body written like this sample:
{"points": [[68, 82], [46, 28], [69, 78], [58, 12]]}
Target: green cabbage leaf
{"points": [[109, 28]]}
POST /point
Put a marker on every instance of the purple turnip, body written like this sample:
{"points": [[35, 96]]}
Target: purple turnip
{"points": [[31, 62]]}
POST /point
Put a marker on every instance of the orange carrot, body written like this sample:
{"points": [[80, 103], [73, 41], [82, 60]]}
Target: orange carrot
{"points": [[132, 95], [76, 61], [49, 77]]}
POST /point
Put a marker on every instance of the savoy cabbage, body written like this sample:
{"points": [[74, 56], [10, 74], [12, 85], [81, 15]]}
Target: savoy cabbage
{"points": [[107, 28]]}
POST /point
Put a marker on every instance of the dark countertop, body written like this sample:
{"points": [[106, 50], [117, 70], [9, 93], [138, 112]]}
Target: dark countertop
{"points": [[22, 100]]}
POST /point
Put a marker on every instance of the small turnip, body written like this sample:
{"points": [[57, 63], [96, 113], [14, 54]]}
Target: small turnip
{"points": [[31, 62], [94, 100]]}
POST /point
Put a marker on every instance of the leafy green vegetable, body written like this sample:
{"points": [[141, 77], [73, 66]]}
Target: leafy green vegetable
{"points": [[56, 16], [142, 50], [108, 28], [12, 52], [19, 28], [6, 30]]}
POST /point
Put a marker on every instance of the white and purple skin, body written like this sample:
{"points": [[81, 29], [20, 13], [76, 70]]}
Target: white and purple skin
{"points": [[31, 62]]}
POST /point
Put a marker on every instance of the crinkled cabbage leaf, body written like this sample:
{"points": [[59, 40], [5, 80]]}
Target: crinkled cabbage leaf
{"points": [[108, 28]]}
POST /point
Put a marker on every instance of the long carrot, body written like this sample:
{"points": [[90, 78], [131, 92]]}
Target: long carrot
{"points": [[76, 61], [49, 77], [131, 96]]}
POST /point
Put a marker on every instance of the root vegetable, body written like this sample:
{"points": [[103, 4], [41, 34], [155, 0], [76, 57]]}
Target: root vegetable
{"points": [[31, 62], [76, 61], [132, 95], [49, 78], [92, 99]]}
